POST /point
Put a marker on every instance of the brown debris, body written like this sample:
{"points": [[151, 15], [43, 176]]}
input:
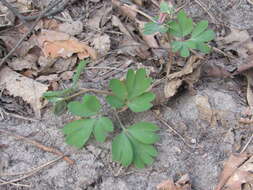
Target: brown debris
{"points": [[237, 171], [182, 184]]}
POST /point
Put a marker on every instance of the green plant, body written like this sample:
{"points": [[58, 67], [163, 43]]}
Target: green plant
{"points": [[186, 35], [134, 144]]}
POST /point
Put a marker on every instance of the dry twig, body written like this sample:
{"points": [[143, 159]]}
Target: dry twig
{"points": [[40, 146], [32, 172]]}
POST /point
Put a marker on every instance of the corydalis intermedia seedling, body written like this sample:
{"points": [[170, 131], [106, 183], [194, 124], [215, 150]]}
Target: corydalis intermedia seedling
{"points": [[134, 144], [186, 34]]}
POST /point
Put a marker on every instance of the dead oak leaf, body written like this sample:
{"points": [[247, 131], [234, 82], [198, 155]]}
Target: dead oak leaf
{"points": [[182, 184], [237, 171], [58, 44], [20, 86]]}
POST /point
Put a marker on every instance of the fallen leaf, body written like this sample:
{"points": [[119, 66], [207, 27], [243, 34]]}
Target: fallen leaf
{"points": [[189, 74], [27, 62], [138, 2], [101, 17], [170, 88], [249, 76], [58, 44], [133, 48], [204, 108], [67, 75], [239, 41], [236, 36], [234, 171], [71, 28], [102, 44], [29, 90], [182, 184], [48, 78], [192, 63], [125, 10], [11, 39]]}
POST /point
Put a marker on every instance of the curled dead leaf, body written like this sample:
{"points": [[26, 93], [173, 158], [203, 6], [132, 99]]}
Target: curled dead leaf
{"points": [[58, 44], [189, 74], [182, 184], [29, 90], [237, 171]]}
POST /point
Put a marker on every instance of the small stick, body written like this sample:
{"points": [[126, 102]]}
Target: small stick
{"points": [[19, 116], [140, 12], [28, 32], [172, 129], [32, 172], [247, 144], [40, 146], [16, 184]]}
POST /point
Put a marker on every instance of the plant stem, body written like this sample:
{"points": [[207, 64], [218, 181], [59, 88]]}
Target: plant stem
{"points": [[120, 123], [84, 90]]}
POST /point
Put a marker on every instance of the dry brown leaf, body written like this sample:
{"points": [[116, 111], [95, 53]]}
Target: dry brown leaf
{"points": [[125, 10], [182, 184], [101, 17], [232, 171], [71, 28], [239, 41], [204, 108], [190, 74], [10, 41], [249, 75], [133, 48], [102, 44], [58, 44], [236, 36], [27, 62], [29, 90], [191, 64], [170, 88]]}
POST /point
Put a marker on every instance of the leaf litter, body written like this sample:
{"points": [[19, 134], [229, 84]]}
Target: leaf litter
{"points": [[55, 48]]}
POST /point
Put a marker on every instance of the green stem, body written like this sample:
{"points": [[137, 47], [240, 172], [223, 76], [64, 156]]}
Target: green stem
{"points": [[120, 123], [85, 90]]}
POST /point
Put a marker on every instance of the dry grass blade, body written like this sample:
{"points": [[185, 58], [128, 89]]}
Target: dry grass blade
{"points": [[32, 172]]}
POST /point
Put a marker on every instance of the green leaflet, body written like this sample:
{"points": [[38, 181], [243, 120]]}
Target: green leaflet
{"points": [[78, 132], [142, 102], [118, 88], [88, 107], [166, 8], [132, 91], [153, 27], [102, 126], [182, 27], [137, 141], [144, 132], [122, 150], [59, 107]]}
